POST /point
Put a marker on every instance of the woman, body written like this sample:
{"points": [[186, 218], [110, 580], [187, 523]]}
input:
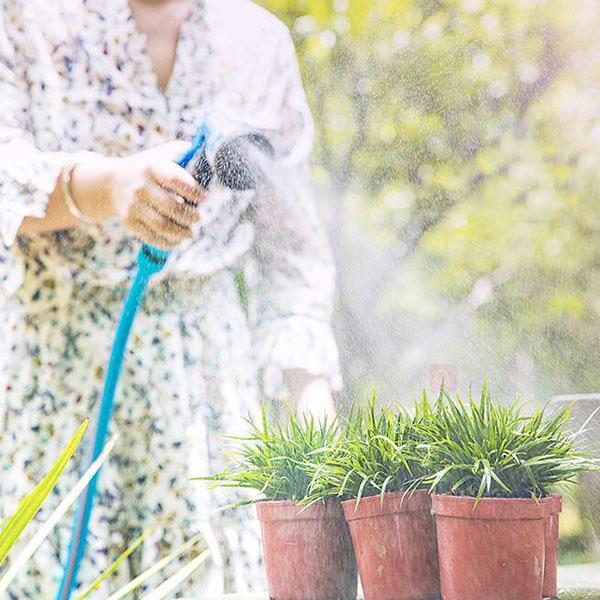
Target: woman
{"points": [[93, 96]]}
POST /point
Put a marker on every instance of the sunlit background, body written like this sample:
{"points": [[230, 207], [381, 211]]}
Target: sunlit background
{"points": [[458, 167]]}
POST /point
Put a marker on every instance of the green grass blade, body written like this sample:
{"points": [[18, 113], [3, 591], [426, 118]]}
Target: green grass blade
{"points": [[173, 582], [21, 559], [30, 505], [115, 565], [155, 568]]}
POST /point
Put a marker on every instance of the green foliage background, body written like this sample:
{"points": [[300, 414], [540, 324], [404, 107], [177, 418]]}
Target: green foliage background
{"points": [[457, 159]]}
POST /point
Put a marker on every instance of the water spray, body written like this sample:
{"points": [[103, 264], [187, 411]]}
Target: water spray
{"points": [[219, 150]]}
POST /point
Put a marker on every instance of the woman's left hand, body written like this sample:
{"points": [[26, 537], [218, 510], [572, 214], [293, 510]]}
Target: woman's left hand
{"points": [[310, 394]]}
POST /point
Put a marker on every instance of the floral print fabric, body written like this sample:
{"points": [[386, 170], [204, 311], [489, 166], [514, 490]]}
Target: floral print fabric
{"points": [[75, 78]]}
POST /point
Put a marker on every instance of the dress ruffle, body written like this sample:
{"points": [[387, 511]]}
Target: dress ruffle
{"points": [[27, 178], [25, 185]]}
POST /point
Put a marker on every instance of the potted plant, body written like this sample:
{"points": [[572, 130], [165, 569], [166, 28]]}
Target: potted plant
{"points": [[375, 468], [307, 548], [493, 466]]}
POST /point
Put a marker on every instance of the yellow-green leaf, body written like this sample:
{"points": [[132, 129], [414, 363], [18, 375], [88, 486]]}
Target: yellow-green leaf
{"points": [[32, 502]]}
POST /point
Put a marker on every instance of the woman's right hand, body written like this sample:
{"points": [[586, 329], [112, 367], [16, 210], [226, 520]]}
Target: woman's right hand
{"points": [[157, 200]]}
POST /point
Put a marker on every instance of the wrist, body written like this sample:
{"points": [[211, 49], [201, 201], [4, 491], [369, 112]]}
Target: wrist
{"points": [[67, 196], [90, 187]]}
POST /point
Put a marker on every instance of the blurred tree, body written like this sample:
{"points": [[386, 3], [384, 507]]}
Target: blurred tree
{"points": [[458, 141]]}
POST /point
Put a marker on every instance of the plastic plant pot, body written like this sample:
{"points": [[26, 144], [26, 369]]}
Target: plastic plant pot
{"points": [[395, 545], [550, 587], [308, 551], [492, 550]]}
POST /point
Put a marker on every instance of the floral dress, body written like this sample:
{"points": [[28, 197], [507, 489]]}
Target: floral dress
{"points": [[75, 77]]}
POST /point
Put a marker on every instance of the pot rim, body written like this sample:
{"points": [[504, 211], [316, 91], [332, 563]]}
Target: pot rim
{"points": [[495, 509], [393, 503], [289, 510]]}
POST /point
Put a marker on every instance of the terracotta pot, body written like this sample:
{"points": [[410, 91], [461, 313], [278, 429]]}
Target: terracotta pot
{"points": [[550, 587], [308, 553], [395, 546], [494, 550]]}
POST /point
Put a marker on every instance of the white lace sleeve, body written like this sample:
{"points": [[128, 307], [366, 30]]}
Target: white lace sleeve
{"points": [[296, 277], [27, 175]]}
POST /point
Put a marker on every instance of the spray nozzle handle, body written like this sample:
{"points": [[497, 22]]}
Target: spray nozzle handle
{"points": [[236, 162]]}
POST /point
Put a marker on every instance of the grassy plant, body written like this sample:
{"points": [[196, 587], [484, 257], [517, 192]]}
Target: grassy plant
{"points": [[276, 459], [379, 451], [14, 526], [480, 448], [155, 568], [114, 565], [19, 563], [29, 506]]}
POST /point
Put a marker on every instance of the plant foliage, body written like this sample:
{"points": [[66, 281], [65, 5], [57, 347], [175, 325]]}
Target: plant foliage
{"points": [[29, 506], [32, 502], [276, 459], [482, 448], [379, 451], [18, 564], [478, 448]]}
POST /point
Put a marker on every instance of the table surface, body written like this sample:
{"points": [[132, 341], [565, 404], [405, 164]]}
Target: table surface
{"points": [[579, 576], [579, 582], [576, 594]]}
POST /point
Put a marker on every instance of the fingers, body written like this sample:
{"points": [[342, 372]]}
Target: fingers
{"points": [[144, 233], [163, 201], [172, 177], [169, 204], [157, 229]]}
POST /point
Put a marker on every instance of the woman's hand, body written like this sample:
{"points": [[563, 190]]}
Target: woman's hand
{"points": [[310, 394], [156, 199]]}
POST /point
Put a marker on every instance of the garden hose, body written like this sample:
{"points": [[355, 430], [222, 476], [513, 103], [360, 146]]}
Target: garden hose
{"points": [[150, 261], [235, 169]]}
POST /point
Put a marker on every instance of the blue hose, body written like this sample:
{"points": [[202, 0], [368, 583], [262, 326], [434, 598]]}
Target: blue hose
{"points": [[150, 261]]}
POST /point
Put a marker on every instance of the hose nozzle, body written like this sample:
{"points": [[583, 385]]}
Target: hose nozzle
{"points": [[233, 153]]}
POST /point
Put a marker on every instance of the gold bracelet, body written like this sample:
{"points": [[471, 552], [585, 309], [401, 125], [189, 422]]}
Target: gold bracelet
{"points": [[69, 200]]}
